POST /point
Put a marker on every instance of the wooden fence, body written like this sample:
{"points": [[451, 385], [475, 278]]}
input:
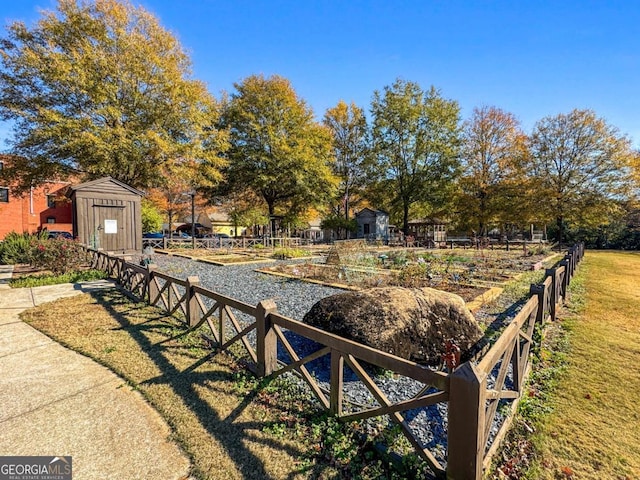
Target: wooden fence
{"points": [[228, 243], [473, 392]]}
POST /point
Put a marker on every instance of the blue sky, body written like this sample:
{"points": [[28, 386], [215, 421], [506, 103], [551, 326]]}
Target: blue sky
{"points": [[532, 58]]}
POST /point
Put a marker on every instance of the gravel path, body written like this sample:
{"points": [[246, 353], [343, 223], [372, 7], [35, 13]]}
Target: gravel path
{"points": [[241, 282]]}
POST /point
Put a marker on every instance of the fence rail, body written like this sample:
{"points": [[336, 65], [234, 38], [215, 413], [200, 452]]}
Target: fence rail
{"points": [[473, 392], [227, 243]]}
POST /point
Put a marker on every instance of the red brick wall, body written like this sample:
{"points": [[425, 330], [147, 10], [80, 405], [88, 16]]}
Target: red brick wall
{"points": [[29, 213]]}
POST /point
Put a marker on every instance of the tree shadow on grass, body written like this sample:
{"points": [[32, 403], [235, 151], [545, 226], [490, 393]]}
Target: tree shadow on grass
{"points": [[188, 384]]}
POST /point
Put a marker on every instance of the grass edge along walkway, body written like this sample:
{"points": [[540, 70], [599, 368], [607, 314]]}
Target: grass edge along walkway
{"points": [[581, 417]]}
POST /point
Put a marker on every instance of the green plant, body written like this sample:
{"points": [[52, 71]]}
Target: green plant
{"points": [[49, 279], [398, 259], [17, 247], [151, 217], [288, 252], [58, 255], [413, 275]]}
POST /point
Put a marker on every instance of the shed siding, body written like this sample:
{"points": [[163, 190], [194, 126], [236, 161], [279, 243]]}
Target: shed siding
{"points": [[106, 200]]}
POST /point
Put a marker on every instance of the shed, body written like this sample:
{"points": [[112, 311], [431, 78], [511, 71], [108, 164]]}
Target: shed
{"points": [[373, 224], [107, 215], [428, 231]]}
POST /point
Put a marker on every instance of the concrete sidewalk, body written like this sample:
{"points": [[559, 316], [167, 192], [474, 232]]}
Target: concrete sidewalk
{"points": [[54, 401]]}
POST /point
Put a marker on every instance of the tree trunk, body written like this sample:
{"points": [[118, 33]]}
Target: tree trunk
{"points": [[347, 234], [405, 218], [560, 225], [272, 220]]}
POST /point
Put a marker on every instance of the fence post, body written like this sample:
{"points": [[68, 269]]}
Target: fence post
{"points": [[123, 274], [152, 287], [100, 261], [572, 263], [565, 281], [192, 302], [266, 340], [538, 290], [553, 273], [336, 380], [567, 278], [466, 418]]}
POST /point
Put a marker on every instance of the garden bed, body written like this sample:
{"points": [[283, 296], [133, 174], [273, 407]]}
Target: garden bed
{"points": [[472, 274], [360, 278], [220, 259]]}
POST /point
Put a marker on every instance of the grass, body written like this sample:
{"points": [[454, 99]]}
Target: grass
{"points": [[229, 424], [39, 280], [583, 400], [219, 429]]}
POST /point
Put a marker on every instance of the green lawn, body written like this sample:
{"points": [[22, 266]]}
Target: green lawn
{"points": [[588, 424]]}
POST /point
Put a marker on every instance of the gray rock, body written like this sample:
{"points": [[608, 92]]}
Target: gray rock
{"points": [[409, 323]]}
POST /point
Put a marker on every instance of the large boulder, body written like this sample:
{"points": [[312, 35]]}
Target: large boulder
{"points": [[412, 323]]}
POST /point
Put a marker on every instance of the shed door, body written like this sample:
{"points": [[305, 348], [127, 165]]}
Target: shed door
{"points": [[110, 223]]}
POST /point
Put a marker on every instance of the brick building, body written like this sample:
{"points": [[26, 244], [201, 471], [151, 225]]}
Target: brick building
{"points": [[42, 207]]}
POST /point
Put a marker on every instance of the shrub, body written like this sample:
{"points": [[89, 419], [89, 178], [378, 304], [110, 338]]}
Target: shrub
{"points": [[58, 255], [18, 247]]}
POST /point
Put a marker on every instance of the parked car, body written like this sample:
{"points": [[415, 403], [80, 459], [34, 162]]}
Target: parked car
{"points": [[153, 235], [60, 234], [200, 229]]}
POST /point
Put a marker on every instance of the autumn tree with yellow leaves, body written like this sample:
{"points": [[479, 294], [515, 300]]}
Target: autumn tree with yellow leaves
{"points": [[101, 88], [494, 189], [277, 150]]}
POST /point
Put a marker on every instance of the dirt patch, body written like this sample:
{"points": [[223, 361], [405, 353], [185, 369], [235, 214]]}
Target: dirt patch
{"points": [[24, 270]]}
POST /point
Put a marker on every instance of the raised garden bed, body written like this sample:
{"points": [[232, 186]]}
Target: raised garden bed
{"points": [[360, 278], [220, 259], [472, 274]]}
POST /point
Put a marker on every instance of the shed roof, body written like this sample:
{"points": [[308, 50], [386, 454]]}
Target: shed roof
{"points": [[371, 210], [100, 181]]}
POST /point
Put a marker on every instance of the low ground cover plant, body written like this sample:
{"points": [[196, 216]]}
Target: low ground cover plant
{"points": [[290, 252], [39, 280]]}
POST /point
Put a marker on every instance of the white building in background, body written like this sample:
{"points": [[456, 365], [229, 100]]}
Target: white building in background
{"points": [[373, 224]]}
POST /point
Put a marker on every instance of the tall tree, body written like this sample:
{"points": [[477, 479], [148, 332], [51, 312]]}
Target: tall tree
{"points": [[581, 167], [416, 138], [100, 88], [494, 151], [348, 126], [277, 149]]}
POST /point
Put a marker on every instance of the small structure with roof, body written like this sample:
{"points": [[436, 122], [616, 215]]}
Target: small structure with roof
{"points": [[428, 232], [107, 215], [373, 224]]}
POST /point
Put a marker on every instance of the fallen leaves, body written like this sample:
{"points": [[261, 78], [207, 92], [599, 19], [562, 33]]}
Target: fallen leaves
{"points": [[567, 472]]}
